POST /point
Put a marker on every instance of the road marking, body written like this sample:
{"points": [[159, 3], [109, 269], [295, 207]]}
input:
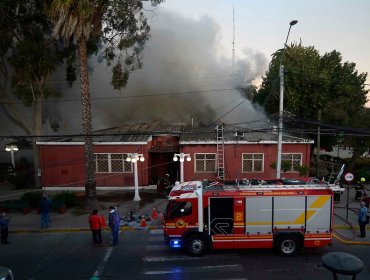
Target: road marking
{"points": [[199, 269], [156, 231], [102, 264], [185, 258]]}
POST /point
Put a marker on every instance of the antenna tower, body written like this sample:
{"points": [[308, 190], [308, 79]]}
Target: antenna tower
{"points": [[233, 50]]}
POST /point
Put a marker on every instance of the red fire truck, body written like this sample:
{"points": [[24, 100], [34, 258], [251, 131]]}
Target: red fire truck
{"points": [[200, 217]]}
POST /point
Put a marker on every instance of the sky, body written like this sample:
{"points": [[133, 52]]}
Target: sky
{"points": [[262, 26], [187, 63]]}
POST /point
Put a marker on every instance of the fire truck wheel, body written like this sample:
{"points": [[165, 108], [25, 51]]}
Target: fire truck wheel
{"points": [[287, 245], [196, 245]]}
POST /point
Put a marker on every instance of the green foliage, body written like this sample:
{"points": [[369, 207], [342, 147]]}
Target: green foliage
{"points": [[121, 26], [286, 165], [32, 198], [302, 169], [316, 83], [69, 198], [119, 77]]}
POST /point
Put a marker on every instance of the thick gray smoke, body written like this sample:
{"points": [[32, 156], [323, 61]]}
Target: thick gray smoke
{"points": [[184, 76]]}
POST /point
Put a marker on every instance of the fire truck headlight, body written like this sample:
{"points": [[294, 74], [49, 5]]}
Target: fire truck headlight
{"points": [[175, 243]]}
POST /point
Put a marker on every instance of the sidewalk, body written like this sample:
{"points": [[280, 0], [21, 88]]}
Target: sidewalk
{"points": [[346, 228], [76, 218]]}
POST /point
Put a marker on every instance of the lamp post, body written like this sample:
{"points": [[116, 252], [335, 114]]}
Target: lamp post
{"points": [[134, 158], [281, 105], [181, 157], [11, 149]]}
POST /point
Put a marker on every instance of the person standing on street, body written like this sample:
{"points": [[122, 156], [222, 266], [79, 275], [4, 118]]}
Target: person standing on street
{"points": [[96, 225], [45, 206], [114, 223], [362, 217], [4, 224]]}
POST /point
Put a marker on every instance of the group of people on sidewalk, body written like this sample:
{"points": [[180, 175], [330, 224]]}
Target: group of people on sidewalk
{"points": [[97, 223]]}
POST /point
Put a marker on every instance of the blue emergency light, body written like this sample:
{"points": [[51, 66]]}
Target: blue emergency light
{"points": [[175, 243]]}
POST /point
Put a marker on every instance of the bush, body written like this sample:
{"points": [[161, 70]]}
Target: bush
{"points": [[31, 198], [69, 198], [302, 169]]}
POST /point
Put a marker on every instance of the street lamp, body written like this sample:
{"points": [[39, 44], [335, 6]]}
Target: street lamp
{"points": [[11, 149], [281, 106], [134, 158], [181, 157]]}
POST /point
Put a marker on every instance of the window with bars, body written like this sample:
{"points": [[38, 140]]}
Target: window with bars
{"points": [[294, 159], [112, 163], [205, 163], [252, 162]]}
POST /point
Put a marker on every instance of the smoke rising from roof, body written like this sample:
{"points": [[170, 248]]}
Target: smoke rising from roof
{"points": [[185, 75]]}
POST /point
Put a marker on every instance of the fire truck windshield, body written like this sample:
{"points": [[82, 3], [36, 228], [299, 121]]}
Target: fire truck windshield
{"points": [[177, 209]]}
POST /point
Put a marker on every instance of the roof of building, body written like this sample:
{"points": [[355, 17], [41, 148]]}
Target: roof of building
{"points": [[188, 134]]}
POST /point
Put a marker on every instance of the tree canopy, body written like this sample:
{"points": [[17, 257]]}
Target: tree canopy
{"points": [[122, 28], [319, 89]]}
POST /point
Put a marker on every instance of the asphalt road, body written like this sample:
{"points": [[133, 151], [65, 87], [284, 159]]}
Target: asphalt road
{"points": [[142, 255]]}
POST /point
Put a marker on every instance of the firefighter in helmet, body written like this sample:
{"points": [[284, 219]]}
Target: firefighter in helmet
{"points": [[360, 188], [164, 185]]}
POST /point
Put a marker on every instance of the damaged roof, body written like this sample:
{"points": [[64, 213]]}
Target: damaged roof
{"points": [[144, 132]]}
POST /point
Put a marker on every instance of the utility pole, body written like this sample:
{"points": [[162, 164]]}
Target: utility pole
{"points": [[318, 144], [281, 106]]}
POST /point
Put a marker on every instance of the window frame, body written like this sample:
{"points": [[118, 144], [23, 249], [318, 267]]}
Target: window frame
{"points": [[110, 160], [253, 162], [204, 163], [292, 160]]}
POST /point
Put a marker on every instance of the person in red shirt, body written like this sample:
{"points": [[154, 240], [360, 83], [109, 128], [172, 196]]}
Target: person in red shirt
{"points": [[96, 224]]}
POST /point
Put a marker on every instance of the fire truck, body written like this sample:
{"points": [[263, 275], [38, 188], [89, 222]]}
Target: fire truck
{"points": [[200, 217]]}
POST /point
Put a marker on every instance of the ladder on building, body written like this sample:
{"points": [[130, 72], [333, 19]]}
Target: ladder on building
{"points": [[220, 151]]}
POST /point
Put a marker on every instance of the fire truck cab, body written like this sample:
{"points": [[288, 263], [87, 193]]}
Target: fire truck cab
{"points": [[200, 217]]}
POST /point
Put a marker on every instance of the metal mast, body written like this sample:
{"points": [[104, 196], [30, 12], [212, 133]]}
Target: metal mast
{"points": [[233, 50]]}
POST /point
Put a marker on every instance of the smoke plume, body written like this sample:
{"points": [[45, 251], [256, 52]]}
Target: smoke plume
{"points": [[186, 74]]}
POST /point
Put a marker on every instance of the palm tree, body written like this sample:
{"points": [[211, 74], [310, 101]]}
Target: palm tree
{"points": [[125, 29], [77, 22]]}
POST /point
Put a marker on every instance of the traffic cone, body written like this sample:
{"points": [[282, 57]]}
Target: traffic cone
{"points": [[143, 223], [154, 214]]}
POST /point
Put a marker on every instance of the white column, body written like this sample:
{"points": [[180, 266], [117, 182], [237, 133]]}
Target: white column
{"points": [[136, 180]]}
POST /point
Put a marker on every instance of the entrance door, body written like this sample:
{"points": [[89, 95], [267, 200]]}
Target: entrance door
{"points": [[221, 221]]}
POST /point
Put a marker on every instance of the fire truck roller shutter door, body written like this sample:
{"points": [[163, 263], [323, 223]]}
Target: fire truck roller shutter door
{"points": [[258, 215], [289, 212], [319, 209]]}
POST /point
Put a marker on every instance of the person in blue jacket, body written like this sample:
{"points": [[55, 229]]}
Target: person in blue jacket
{"points": [[114, 224], [45, 206], [4, 224], [362, 219]]}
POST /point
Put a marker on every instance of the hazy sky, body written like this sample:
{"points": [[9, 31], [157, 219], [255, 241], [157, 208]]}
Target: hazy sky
{"points": [[187, 61], [262, 26]]}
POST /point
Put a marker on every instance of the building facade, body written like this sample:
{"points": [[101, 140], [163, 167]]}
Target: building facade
{"points": [[240, 155]]}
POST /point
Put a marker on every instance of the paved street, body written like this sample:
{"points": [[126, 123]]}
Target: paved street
{"points": [[64, 251], [142, 255]]}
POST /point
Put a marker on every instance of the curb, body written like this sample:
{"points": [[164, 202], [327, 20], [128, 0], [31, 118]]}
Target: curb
{"points": [[123, 228], [350, 242]]}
